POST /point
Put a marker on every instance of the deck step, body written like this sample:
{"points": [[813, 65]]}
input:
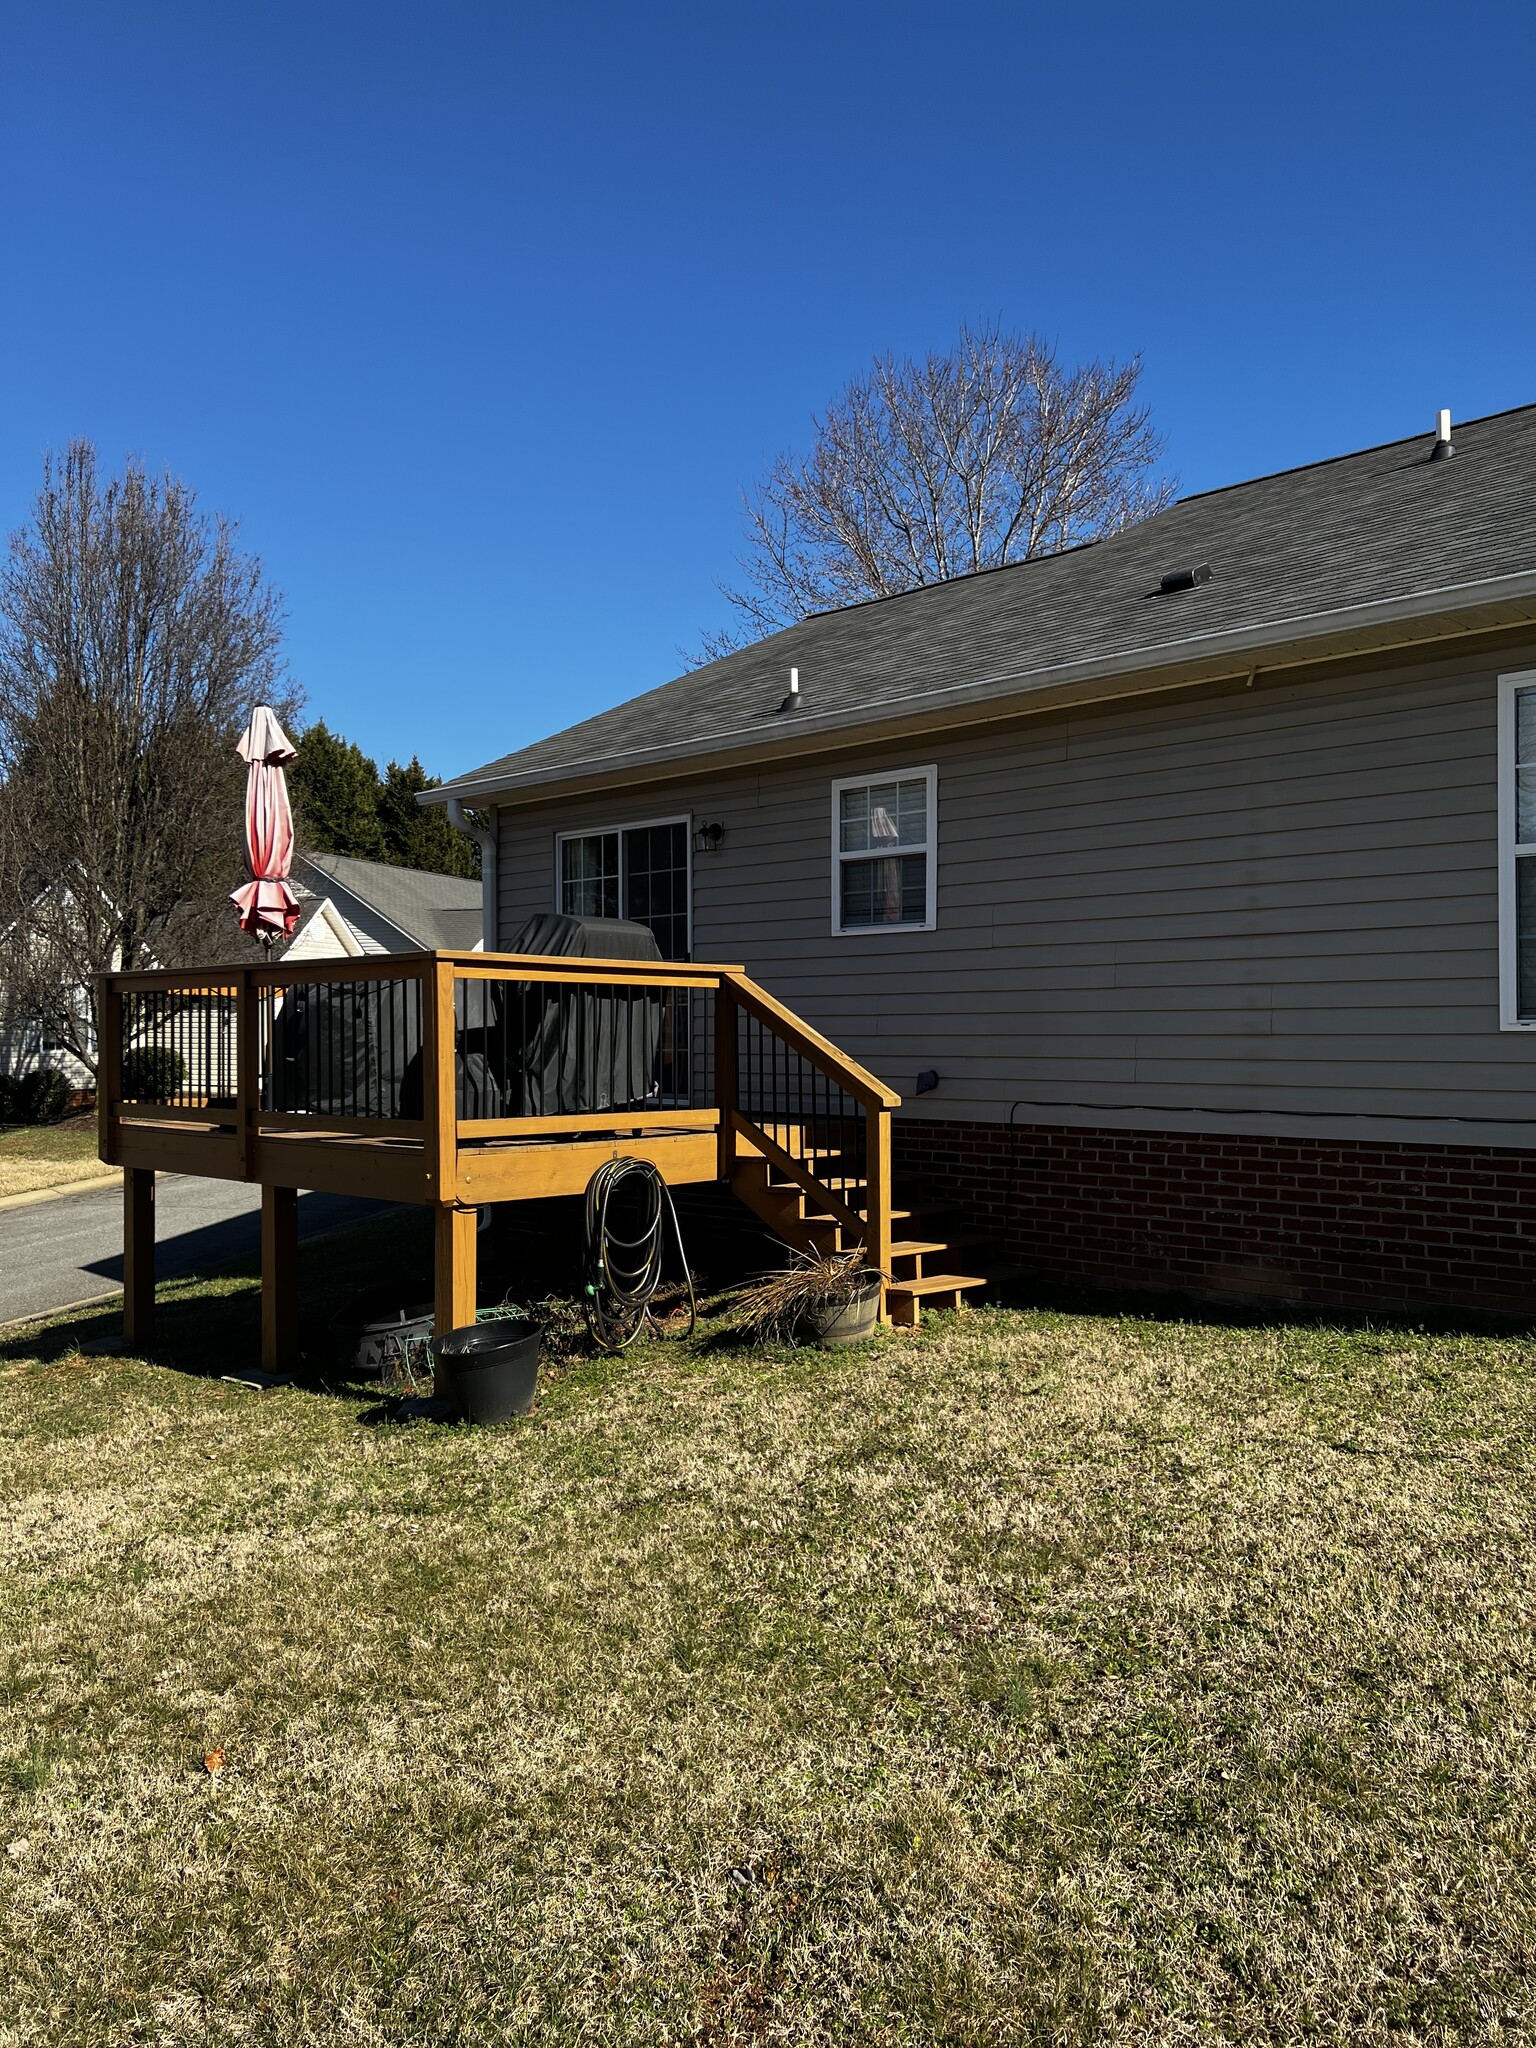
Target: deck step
{"points": [[905, 1298], [939, 1283], [840, 1183], [820, 1216]]}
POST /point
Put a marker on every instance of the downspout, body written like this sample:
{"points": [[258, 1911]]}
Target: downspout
{"points": [[486, 840]]}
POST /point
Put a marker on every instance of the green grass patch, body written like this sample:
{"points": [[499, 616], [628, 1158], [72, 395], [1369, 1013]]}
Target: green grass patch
{"points": [[1039, 1678], [46, 1155]]}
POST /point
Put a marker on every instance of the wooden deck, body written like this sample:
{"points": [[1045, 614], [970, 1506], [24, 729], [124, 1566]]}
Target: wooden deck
{"points": [[394, 1077]]}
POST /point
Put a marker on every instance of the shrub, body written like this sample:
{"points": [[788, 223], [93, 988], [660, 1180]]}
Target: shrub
{"points": [[40, 1097], [152, 1073]]}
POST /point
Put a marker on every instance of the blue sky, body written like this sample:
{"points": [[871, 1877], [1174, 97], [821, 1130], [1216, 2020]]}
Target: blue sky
{"points": [[478, 316]]}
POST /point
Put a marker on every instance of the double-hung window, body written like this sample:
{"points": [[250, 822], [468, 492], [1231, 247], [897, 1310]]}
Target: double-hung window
{"points": [[884, 851], [1517, 851]]}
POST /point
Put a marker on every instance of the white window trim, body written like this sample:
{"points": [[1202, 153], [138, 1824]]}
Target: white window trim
{"points": [[875, 931], [684, 818], [1509, 940]]}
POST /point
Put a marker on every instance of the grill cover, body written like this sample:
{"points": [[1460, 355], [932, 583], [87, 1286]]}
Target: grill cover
{"points": [[348, 1048], [530, 1048]]}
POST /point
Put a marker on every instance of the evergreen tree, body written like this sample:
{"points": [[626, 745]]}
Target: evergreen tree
{"points": [[417, 838], [336, 794]]}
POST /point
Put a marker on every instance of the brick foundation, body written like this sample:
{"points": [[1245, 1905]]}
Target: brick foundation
{"points": [[1333, 1223]]}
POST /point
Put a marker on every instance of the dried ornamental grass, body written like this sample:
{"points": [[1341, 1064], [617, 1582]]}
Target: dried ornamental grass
{"points": [[774, 1308]]}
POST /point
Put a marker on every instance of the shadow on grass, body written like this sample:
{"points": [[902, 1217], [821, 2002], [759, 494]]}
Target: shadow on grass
{"points": [[208, 1324], [1044, 1293]]}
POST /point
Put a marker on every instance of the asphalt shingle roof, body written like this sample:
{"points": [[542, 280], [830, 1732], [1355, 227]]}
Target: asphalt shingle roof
{"points": [[1383, 524], [440, 912]]}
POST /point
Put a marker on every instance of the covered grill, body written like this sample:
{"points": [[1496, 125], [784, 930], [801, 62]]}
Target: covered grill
{"points": [[542, 1048]]}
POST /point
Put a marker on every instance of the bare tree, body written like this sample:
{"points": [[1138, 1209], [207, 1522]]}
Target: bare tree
{"points": [[919, 472], [135, 638]]}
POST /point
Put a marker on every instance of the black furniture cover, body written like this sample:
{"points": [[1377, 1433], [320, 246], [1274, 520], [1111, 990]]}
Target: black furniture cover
{"points": [[347, 1048], [532, 1048]]}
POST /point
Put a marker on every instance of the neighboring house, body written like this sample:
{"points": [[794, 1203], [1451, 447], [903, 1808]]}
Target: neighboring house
{"points": [[27, 1041], [352, 907], [1206, 901]]}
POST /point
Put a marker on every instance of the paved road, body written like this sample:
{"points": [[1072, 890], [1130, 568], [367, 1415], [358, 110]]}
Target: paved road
{"points": [[56, 1253]]}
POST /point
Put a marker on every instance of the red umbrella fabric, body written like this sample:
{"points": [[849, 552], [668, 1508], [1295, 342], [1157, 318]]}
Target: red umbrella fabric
{"points": [[268, 907]]}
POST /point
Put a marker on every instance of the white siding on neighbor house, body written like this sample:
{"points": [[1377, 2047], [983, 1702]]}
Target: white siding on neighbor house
{"points": [[373, 933], [1233, 908]]}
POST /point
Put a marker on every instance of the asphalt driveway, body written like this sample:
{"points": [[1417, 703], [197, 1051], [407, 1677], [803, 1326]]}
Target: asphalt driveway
{"points": [[53, 1254]]}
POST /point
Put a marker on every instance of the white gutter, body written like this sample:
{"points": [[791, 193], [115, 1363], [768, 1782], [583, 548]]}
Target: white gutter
{"points": [[486, 840], [1230, 642]]}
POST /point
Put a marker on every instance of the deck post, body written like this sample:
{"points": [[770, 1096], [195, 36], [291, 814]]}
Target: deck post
{"points": [[877, 1217], [726, 1015], [439, 1069], [279, 1279], [109, 1065], [455, 1268], [247, 1068], [138, 1256]]}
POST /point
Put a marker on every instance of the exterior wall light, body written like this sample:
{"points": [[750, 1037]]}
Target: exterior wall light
{"points": [[708, 838]]}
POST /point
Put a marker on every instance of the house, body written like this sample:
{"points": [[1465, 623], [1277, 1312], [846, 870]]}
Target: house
{"points": [[1182, 884], [351, 908], [354, 907]]}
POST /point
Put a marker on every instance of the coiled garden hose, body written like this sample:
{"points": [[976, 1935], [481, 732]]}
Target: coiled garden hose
{"points": [[623, 1274]]}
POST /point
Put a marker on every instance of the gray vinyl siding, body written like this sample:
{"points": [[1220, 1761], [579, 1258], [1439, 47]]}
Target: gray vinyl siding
{"points": [[1236, 902]]}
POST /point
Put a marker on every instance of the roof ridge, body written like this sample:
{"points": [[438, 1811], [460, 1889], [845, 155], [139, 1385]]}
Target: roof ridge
{"points": [[1349, 455]]}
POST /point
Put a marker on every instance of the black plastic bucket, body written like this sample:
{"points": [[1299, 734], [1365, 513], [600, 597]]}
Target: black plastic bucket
{"points": [[489, 1372]]}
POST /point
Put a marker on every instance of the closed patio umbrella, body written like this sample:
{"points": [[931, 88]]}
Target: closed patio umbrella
{"points": [[268, 907]]}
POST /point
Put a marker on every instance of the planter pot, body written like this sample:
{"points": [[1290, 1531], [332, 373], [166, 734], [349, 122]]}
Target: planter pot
{"points": [[851, 1321], [488, 1372]]}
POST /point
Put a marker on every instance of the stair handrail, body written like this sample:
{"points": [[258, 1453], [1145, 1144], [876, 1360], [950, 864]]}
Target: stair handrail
{"points": [[737, 987], [868, 1088]]}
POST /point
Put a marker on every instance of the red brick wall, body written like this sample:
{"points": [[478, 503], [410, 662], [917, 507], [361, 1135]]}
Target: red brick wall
{"points": [[1333, 1223]]}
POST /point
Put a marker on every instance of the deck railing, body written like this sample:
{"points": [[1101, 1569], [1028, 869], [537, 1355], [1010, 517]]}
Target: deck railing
{"points": [[415, 1074]]}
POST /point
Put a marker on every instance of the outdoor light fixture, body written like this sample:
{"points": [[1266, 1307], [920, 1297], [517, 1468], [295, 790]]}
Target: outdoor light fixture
{"points": [[707, 838]]}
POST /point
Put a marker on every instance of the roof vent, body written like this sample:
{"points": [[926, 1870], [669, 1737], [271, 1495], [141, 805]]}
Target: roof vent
{"points": [[1442, 447], [792, 701], [1185, 579]]}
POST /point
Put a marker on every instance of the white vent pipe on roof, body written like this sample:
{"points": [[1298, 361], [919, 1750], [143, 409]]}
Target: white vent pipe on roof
{"points": [[1442, 446]]}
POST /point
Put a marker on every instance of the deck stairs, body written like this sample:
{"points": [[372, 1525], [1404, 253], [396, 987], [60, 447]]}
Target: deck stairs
{"points": [[814, 1198]]}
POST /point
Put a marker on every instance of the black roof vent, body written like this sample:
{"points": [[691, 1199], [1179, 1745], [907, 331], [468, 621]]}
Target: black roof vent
{"points": [[1185, 579]]}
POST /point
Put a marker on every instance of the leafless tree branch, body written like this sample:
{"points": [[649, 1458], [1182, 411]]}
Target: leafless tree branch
{"points": [[992, 453], [135, 638]]}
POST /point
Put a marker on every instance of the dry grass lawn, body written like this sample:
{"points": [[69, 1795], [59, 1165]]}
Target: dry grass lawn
{"points": [[47, 1155], [1042, 1678]]}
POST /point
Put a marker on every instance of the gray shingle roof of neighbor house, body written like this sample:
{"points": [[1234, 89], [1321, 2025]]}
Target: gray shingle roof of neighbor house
{"points": [[1359, 536], [440, 912]]}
